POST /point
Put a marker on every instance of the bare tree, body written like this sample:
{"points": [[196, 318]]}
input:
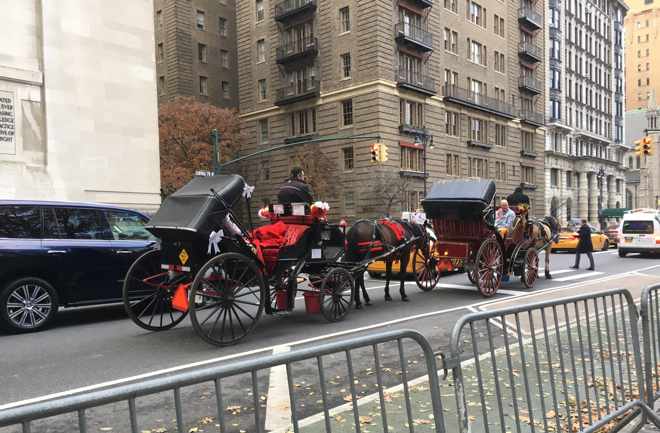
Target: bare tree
{"points": [[320, 170], [389, 189]]}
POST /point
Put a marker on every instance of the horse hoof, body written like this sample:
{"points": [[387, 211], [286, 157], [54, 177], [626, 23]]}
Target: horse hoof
{"points": [[405, 299], [388, 298], [548, 276]]}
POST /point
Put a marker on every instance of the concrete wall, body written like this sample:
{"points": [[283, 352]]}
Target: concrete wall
{"points": [[82, 76]]}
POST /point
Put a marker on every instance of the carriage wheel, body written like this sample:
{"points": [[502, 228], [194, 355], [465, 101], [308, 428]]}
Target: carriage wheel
{"points": [[425, 267], [337, 294], [148, 292], [530, 268], [489, 266], [227, 298], [472, 274]]}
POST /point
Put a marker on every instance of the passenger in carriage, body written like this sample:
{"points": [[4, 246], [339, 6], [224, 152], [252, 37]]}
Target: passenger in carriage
{"points": [[295, 189], [504, 218]]}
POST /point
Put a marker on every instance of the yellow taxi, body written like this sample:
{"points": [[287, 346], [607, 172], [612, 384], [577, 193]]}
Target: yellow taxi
{"points": [[378, 268], [568, 240]]}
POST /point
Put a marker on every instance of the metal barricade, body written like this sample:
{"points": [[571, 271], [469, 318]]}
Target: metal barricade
{"points": [[650, 312], [566, 365], [340, 352]]}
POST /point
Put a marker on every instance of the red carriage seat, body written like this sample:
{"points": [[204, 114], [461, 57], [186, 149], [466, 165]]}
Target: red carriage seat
{"points": [[270, 239]]}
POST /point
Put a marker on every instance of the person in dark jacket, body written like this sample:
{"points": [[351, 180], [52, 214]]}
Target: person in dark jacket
{"points": [[518, 198], [295, 189], [584, 246]]}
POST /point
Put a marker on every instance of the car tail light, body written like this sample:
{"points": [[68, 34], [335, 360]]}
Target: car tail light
{"points": [[657, 240]]}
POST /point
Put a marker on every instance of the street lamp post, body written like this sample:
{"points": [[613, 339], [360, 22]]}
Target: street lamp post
{"points": [[426, 140], [600, 175]]}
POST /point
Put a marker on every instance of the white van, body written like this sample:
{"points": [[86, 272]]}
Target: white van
{"points": [[640, 232]]}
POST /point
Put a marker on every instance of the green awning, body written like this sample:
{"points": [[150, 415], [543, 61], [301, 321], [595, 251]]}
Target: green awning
{"points": [[613, 212]]}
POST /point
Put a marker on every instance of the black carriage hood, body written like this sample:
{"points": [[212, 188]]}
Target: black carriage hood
{"points": [[193, 208], [458, 196]]}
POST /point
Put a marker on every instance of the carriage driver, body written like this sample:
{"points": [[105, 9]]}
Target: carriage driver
{"points": [[295, 189], [504, 218]]}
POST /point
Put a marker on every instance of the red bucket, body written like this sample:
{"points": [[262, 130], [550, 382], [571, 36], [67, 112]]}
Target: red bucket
{"points": [[281, 300], [312, 303]]}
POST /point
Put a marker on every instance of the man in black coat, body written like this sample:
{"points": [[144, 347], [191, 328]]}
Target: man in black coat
{"points": [[518, 197], [584, 246], [295, 189]]}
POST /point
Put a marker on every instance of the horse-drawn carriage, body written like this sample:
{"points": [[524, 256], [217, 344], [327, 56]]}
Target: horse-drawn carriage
{"points": [[463, 218]]}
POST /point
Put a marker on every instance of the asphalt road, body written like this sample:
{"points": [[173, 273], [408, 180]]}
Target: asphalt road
{"points": [[95, 347]]}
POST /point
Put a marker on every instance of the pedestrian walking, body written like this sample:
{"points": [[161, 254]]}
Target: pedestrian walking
{"points": [[584, 246]]}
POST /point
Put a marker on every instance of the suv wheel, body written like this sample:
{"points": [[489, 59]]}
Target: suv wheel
{"points": [[27, 304], [622, 253]]}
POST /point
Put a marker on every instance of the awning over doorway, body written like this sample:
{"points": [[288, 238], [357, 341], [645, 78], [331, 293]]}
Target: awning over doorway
{"points": [[613, 212]]}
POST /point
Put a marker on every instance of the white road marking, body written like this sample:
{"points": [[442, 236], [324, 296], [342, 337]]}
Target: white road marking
{"points": [[579, 276], [557, 272], [300, 342], [278, 405], [474, 289]]}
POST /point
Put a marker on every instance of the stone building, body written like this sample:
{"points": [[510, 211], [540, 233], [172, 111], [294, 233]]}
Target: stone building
{"points": [[196, 50], [453, 88], [642, 173], [642, 24], [585, 129], [78, 109]]}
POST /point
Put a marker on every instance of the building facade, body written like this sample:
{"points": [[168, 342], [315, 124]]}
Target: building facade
{"points": [[78, 109], [585, 128], [643, 172], [642, 52], [454, 89], [196, 50]]}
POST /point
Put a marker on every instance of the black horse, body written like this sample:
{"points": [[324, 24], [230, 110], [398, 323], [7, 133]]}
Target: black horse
{"points": [[367, 239]]}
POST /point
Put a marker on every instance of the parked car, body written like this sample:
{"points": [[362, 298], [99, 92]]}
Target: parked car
{"points": [[568, 240], [640, 232], [63, 254], [613, 233]]}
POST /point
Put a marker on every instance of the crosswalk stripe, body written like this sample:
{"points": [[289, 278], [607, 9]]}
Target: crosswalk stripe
{"points": [[579, 276]]}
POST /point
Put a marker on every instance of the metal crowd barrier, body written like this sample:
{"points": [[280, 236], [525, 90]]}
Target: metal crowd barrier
{"points": [[24, 416], [650, 312]]}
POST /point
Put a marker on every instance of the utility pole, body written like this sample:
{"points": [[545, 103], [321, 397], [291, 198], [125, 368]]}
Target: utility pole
{"points": [[215, 139]]}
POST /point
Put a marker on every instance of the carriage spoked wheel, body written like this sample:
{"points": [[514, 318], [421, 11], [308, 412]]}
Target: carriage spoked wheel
{"points": [[530, 268], [425, 267], [227, 298], [337, 294], [489, 266], [148, 291], [472, 274]]}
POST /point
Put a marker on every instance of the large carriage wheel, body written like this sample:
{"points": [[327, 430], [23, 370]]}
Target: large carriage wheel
{"points": [[472, 274], [148, 292], [530, 268], [489, 266], [425, 267], [337, 294], [227, 298]]}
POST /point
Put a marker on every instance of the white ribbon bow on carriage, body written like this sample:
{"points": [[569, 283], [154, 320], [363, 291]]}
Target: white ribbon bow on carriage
{"points": [[214, 242]]}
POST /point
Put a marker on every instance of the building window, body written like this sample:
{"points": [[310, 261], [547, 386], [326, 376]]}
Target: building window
{"points": [[200, 21], [478, 167], [411, 158], [500, 134], [499, 62], [451, 78], [224, 58], [161, 85], [159, 19], [527, 139], [349, 159], [412, 200], [452, 5], [451, 40], [222, 26], [451, 123], [618, 186], [477, 130], [260, 10], [527, 174], [346, 65], [554, 177], [347, 112], [453, 165], [477, 52], [265, 170], [161, 52], [203, 86], [344, 20], [476, 14], [302, 122], [263, 131], [261, 51], [202, 53], [569, 179], [498, 25], [500, 170], [411, 113], [263, 89], [225, 89]]}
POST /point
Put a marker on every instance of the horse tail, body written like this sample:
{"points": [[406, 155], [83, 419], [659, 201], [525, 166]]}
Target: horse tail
{"points": [[355, 235]]}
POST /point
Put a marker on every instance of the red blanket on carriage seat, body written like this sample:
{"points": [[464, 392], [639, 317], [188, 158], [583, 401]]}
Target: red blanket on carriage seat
{"points": [[270, 238], [396, 228]]}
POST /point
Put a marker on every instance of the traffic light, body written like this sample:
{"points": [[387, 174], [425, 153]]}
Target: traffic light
{"points": [[382, 157], [375, 152], [644, 146]]}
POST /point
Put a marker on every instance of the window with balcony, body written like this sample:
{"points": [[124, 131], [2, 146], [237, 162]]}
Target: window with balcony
{"points": [[202, 53], [411, 158], [347, 112], [298, 38], [478, 130], [349, 159], [412, 113], [224, 58], [410, 20], [302, 122], [500, 134], [200, 20], [452, 165], [260, 10], [203, 85], [478, 167], [451, 123], [346, 65], [261, 51], [344, 20], [263, 131], [302, 80], [222, 26], [475, 13], [262, 88]]}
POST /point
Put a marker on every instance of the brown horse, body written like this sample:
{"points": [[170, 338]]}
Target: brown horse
{"points": [[544, 232], [367, 239]]}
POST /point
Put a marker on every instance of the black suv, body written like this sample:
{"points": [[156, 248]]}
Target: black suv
{"points": [[56, 254]]}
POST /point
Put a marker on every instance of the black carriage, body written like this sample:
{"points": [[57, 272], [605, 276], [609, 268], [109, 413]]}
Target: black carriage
{"points": [[225, 276], [463, 217]]}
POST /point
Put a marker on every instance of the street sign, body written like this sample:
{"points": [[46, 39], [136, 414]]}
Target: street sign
{"points": [[203, 173]]}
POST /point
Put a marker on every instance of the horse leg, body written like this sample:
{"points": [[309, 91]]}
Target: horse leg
{"points": [[547, 263], [359, 282], [402, 275], [388, 277], [365, 295]]}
